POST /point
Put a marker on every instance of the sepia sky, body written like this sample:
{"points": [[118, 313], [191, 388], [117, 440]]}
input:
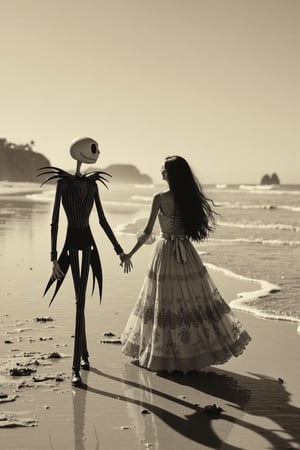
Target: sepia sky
{"points": [[216, 81]]}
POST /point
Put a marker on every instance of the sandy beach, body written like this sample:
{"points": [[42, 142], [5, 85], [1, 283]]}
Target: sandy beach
{"points": [[131, 95], [123, 406]]}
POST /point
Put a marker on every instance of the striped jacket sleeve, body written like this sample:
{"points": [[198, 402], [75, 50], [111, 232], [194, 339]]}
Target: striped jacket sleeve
{"points": [[105, 225], [55, 220]]}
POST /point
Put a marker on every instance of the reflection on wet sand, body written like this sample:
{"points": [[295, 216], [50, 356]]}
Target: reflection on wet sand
{"points": [[146, 427], [193, 424], [257, 394], [79, 416], [144, 390]]}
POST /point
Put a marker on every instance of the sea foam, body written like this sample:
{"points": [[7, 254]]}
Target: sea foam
{"points": [[261, 226], [244, 298], [240, 240], [239, 205]]}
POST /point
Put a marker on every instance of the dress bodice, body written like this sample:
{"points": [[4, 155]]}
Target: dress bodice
{"points": [[172, 230], [169, 218], [170, 225]]}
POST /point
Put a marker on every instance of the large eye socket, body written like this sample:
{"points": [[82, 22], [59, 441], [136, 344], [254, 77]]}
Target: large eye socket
{"points": [[94, 148]]}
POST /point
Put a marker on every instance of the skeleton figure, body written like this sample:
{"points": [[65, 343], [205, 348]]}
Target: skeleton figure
{"points": [[78, 193]]}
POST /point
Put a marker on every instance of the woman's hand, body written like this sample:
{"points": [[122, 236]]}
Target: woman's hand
{"points": [[57, 273]]}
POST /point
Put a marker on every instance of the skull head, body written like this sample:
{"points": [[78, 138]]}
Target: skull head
{"points": [[85, 150]]}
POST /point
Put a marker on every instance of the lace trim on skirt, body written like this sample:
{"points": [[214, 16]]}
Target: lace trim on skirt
{"points": [[197, 362]]}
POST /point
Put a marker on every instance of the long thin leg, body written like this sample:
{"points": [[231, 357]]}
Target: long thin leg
{"points": [[80, 345], [74, 261], [74, 258], [85, 272]]}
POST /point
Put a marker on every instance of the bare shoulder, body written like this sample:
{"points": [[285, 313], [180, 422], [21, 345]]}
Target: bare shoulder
{"points": [[164, 193], [167, 195], [156, 198]]}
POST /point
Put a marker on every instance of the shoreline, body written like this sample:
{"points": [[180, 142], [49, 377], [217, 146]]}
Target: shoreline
{"points": [[243, 299], [241, 302]]}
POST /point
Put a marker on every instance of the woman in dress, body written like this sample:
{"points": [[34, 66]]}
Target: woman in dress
{"points": [[180, 320]]}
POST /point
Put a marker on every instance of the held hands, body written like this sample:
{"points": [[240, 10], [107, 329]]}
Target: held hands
{"points": [[126, 262], [57, 273]]}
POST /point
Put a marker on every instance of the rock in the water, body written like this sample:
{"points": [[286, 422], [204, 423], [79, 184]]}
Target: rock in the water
{"points": [[268, 180]]}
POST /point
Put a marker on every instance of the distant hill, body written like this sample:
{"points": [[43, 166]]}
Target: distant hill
{"points": [[19, 162], [127, 173], [267, 179]]}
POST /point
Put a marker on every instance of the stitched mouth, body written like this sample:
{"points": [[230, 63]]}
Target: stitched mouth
{"points": [[86, 157]]}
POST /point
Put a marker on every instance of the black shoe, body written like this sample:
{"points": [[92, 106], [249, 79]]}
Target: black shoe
{"points": [[84, 364], [76, 378]]}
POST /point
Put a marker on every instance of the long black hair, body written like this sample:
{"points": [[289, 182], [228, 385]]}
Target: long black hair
{"points": [[195, 208]]}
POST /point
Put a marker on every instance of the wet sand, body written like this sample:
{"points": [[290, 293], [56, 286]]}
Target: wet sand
{"points": [[121, 405]]}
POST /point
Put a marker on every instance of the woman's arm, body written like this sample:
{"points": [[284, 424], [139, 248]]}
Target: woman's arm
{"points": [[149, 226]]}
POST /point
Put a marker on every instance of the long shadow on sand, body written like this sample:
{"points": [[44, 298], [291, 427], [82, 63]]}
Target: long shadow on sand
{"points": [[257, 395]]}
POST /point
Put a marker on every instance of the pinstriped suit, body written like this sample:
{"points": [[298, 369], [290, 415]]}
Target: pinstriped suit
{"points": [[78, 194]]}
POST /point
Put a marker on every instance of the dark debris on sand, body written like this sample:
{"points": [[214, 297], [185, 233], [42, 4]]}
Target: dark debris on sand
{"points": [[9, 421], [21, 371], [108, 334], [213, 410], [43, 319], [110, 338], [5, 398], [110, 341]]}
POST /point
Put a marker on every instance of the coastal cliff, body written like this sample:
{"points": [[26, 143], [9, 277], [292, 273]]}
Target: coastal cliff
{"points": [[128, 174], [19, 162]]}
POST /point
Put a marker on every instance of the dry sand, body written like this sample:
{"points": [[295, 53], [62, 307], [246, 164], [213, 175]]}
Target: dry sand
{"points": [[121, 406]]}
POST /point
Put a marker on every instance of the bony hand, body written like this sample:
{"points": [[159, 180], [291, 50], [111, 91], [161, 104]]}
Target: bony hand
{"points": [[123, 257], [57, 273], [127, 265], [126, 262]]}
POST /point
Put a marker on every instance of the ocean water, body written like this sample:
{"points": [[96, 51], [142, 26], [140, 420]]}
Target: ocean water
{"points": [[257, 235]]}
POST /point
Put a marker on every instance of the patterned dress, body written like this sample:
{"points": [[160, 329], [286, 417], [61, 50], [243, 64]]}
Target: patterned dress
{"points": [[180, 320]]}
